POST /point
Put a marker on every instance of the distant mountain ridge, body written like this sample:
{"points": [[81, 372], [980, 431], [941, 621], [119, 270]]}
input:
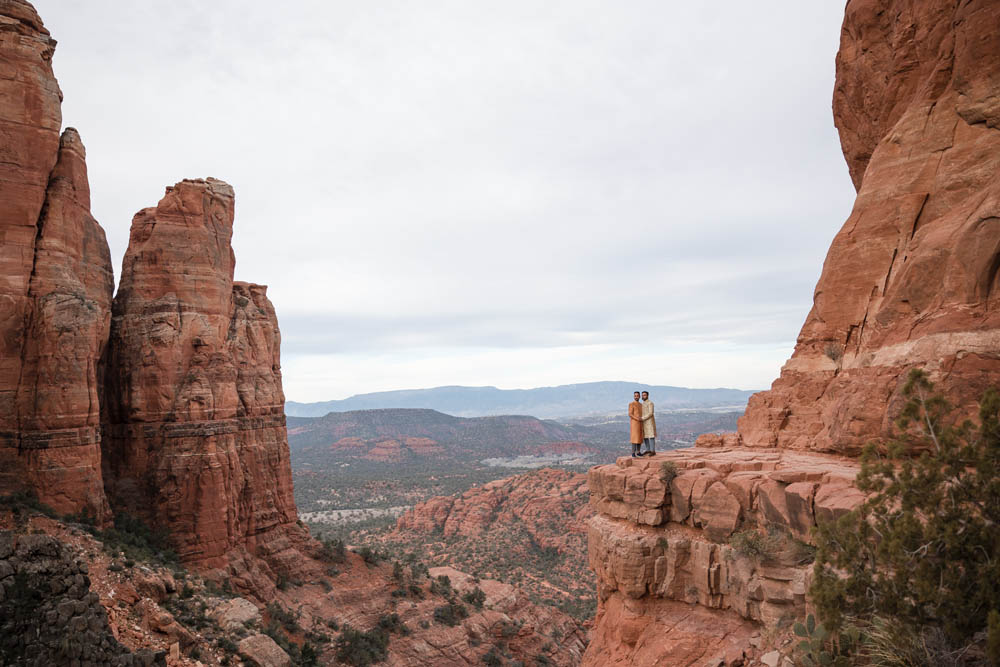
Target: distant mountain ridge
{"points": [[571, 400], [423, 432]]}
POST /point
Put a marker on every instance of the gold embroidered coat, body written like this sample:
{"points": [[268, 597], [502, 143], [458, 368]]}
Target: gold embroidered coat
{"points": [[648, 420]]}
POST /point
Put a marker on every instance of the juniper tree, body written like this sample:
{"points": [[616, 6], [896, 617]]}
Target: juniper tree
{"points": [[923, 551]]}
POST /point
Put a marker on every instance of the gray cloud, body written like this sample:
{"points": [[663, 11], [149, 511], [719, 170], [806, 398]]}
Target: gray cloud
{"points": [[448, 175]]}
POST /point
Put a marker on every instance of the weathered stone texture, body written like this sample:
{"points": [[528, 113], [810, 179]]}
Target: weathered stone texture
{"points": [[911, 279], [56, 284], [664, 534], [196, 435]]}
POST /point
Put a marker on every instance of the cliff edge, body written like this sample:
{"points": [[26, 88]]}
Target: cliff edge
{"points": [[703, 555]]}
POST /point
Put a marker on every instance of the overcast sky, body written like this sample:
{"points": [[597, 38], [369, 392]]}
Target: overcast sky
{"points": [[514, 193]]}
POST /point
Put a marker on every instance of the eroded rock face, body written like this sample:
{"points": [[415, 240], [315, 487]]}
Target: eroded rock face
{"points": [[535, 500], [911, 280], [56, 284], [725, 531], [196, 437]]}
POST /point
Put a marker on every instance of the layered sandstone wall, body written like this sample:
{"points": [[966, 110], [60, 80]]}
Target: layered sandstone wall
{"points": [[56, 283], [187, 393], [195, 437], [696, 550], [911, 280]]}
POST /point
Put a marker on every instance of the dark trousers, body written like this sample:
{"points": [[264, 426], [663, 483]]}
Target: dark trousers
{"points": [[650, 444]]}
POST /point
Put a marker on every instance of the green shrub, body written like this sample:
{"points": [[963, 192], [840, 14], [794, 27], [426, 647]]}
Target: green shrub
{"points": [[756, 545], [476, 597], [333, 551], [492, 658], [227, 645], [921, 551], [392, 623], [288, 620], [362, 648], [369, 556], [441, 586], [451, 614], [819, 648], [308, 655], [136, 540]]}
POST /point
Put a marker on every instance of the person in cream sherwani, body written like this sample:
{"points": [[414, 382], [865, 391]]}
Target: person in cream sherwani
{"points": [[648, 425]]}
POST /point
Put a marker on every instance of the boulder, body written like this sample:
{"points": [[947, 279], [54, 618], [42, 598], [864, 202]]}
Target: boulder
{"points": [[262, 651]]}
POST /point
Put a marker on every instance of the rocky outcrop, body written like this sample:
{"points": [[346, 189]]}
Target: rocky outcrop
{"points": [[695, 549], [49, 615], [55, 284], [536, 499], [529, 529], [911, 280], [195, 435]]}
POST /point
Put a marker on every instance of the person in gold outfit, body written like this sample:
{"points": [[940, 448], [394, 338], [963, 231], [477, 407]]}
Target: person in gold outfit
{"points": [[635, 424]]}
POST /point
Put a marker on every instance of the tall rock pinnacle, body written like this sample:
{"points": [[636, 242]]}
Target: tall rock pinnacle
{"points": [[55, 283], [195, 412]]}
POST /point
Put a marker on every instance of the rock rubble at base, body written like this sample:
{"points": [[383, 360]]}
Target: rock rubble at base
{"points": [[49, 615]]}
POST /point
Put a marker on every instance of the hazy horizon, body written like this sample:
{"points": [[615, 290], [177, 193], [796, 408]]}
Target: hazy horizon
{"points": [[638, 385], [460, 193]]}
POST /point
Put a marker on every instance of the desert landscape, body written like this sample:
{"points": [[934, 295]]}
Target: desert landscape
{"points": [[160, 504]]}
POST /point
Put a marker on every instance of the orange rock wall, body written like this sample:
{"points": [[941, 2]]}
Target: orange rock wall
{"points": [[672, 588], [196, 437], [56, 283], [911, 280], [187, 393]]}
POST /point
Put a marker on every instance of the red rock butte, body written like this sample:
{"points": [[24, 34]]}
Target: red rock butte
{"points": [[195, 428], [167, 403], [910, 281], [55, 283]]}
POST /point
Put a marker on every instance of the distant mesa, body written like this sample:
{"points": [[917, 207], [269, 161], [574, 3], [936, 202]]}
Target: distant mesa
{"points": [[565, 401]]}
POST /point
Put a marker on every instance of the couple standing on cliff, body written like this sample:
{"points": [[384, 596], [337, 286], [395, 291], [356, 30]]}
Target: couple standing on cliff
{"points": [[642, 425]]}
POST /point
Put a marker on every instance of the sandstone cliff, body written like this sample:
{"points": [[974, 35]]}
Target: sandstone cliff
{"points": [[911, 278], [192, 409], [702, 555], [698, 551], [55, 283], [195, 437]]}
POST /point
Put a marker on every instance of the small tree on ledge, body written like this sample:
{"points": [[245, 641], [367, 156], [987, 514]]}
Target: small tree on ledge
{"points": [[923, 552]]}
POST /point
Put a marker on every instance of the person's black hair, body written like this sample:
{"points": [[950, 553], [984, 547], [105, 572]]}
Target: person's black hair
{"points": [[644, 391], [636, 392]]}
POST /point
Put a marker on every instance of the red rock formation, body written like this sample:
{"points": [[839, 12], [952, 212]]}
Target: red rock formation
{"points": [[911, 280], [530, 529], [674, 585], [196, 436], [536, 500], [55, 283]]}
